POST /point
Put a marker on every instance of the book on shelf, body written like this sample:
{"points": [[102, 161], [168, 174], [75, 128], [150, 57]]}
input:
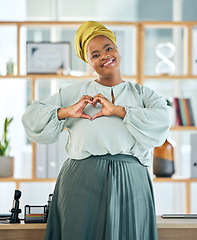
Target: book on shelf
{"points": [[184, 115]]}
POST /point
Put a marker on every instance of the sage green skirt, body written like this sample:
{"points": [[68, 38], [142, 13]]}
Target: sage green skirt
{"points": [[108, 197]]}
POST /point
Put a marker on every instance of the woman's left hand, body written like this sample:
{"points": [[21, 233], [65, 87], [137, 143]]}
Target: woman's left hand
{"points": [[109, 108]]}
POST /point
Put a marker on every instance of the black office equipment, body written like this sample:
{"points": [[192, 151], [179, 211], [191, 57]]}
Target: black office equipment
{"points": [[35, 214], [15, 209]]}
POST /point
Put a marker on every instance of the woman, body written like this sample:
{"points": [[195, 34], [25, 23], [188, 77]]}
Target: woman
{"points": [[103, 191]]}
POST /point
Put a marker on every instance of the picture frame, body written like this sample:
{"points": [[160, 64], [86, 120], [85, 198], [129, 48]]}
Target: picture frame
{"points": [[47, 57]]}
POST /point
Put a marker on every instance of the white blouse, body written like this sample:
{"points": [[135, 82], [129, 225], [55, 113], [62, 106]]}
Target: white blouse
{"points": [[145, 125]]}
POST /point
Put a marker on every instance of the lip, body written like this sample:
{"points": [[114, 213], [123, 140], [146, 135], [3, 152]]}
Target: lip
{"points": [[108, 62]]}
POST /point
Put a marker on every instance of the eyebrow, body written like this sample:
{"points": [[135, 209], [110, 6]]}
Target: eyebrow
{"points": [[103, 48]]}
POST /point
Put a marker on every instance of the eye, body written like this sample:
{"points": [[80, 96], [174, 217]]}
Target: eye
{"points": [[108, 49], [95, 56]]}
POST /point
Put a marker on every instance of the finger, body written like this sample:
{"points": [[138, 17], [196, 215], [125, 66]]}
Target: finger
{"points": [[84, 102], [99, 95], [95, 101], [86, 97], [83, 115], [100, 114], [100, 100]]}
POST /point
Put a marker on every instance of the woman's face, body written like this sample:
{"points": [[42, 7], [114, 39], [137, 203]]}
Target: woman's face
{"points": [[103, 56]]}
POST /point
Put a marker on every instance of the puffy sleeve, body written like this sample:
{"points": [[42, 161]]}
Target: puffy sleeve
{"points": [[149, 124], [41, 122]]}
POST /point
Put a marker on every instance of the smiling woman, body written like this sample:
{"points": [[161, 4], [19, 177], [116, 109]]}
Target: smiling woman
{"points": [[104, 58], [103, 190]]}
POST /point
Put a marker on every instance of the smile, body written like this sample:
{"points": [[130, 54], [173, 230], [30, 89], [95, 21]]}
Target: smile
{"points": [[108, 63]]}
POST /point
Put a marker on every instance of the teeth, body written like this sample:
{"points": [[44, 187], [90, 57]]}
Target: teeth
{"points": [[107, 63]]}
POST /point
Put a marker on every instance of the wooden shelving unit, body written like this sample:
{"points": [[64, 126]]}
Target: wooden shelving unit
{"points": [[139, 77], [187, 27], [18, 181], [187, 182], [183, 128]]}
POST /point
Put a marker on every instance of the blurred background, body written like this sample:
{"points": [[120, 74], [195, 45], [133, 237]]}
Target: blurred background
{"points": [[16, 93]]}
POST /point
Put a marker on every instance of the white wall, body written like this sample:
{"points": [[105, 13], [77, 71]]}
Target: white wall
{"points": [[111, 10], [12, 10]]}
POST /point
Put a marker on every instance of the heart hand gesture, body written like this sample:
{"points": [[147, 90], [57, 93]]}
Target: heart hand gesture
{"points": [[109, 108], [76, 110]]}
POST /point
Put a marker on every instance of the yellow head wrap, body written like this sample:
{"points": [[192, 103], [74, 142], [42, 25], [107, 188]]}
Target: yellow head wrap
{"points": [[86, 32]]}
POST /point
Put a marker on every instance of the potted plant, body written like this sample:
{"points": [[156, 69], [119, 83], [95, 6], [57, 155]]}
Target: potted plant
{"points": [[6, 162]]}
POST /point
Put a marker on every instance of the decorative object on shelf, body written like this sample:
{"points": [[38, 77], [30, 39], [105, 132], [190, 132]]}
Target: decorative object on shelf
{"points": [[6, 162], [10, 67], [165, 51], [47, 57], [163, 159]]}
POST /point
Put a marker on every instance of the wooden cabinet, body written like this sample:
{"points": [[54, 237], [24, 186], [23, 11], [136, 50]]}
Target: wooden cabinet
{"points": [[134, 50]]}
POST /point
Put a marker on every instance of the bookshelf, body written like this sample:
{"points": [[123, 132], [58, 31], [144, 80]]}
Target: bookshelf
{"points": [[138, 75]]}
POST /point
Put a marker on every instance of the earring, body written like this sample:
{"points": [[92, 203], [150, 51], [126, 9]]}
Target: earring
{"points": [[93, 70], [120, 58]]}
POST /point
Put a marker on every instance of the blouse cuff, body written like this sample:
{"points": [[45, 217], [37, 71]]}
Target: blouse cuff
{"points": [[128, 112], [56, 115]]}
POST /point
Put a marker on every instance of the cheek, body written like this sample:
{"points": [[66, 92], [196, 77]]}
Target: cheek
{"points": [[94, 64], [118, 57], [117, 54]]}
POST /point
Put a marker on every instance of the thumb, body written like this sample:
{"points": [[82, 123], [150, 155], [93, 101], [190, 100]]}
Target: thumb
{"points": [[100, 114], [83, 115]]}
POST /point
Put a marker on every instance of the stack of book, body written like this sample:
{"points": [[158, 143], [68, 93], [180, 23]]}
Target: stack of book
{"points": [[184, 112]]}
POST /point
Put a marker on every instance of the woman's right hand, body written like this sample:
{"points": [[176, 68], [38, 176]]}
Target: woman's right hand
{"points": [[76, 110]]}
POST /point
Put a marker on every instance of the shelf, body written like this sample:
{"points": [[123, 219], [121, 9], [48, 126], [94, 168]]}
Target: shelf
{"points": [[159, 77], [64, 23], [169, 77], [44, 76], [170, 24], [184, 128], [18, 180], [47, 76], [169, 179], [186, 181]]}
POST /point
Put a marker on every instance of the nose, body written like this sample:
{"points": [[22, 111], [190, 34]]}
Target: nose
{"points": [[105, 55]]}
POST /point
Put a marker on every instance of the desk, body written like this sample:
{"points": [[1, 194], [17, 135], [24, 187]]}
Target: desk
{"points": [[177, 229], [29, 231], [168, 229]]}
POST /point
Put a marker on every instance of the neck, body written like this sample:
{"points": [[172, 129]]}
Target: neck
{"points": [[111, 81]]}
